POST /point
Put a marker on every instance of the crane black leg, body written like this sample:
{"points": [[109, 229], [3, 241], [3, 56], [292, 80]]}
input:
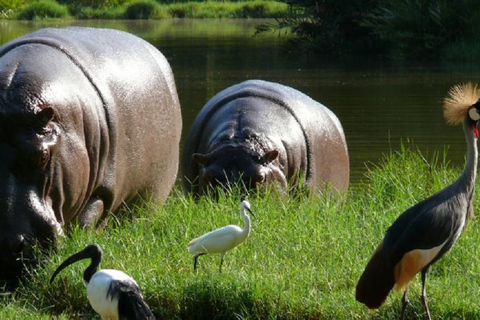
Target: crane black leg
{"points": [[424, 293], [404, 303]]}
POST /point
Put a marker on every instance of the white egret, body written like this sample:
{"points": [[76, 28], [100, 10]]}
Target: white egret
{"points": [[112, 294], [223, 239]]}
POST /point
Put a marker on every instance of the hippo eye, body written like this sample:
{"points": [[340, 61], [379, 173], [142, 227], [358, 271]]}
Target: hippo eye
{"points": [[41, 158]]}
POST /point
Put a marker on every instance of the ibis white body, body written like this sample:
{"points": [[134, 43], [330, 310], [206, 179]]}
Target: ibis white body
{"points": [[100, 292], [113, 294]]}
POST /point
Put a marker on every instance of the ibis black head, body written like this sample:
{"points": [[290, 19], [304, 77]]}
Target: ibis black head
{"points": [[93, 252]]}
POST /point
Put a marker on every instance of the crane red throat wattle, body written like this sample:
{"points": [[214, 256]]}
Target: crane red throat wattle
{"points": [[475, 130]]}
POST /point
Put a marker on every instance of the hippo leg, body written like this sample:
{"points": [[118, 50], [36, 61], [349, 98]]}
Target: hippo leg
{"points": [[92, 212]]}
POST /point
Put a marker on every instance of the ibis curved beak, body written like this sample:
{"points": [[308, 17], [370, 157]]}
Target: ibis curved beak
{"points": [[92, 251]]}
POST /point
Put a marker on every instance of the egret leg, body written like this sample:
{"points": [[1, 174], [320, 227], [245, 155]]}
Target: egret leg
{"points": [[221, 262], [405, 303], [424, 293], [195, 262]]}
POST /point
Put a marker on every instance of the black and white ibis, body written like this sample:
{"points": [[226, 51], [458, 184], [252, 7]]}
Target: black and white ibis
{"points": [[112, 294], [425, 232], [223, 239]]}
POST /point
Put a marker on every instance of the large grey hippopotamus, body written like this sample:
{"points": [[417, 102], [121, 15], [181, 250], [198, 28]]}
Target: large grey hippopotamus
{"points": [[259, 133], [89, 119]]}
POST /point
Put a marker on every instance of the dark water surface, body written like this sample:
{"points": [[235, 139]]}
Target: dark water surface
{"points": [[379, 103]]}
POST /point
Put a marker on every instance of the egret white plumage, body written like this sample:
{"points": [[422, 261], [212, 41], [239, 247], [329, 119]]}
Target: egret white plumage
{"points": [[223, 239], [112, 294], [425, 232]]}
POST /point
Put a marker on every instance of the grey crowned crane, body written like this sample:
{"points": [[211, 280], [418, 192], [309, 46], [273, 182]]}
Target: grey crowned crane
{"points": [[223, 239], [425, 232], [112, 294]]}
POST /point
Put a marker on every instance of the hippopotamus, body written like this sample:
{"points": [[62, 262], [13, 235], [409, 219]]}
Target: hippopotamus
{"points": [[260, 134], [89, 120]]}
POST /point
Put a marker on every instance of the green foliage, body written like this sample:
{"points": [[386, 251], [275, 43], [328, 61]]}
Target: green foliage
{"points": [[97, 4], [43, 9], [301, 261], [10, 5], [411, 29], [143, 9], [247, 9], [328, 26], [105, 13], [421, 28]]}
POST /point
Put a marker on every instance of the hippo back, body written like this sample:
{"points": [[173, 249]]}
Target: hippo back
{"points": [[323, 137]]}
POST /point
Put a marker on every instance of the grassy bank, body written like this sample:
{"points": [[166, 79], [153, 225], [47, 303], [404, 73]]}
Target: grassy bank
{"points": [[302, 260]]}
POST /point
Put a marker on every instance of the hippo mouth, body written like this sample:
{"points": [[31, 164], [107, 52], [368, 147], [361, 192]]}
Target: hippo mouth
{"points": [[16, 265]]}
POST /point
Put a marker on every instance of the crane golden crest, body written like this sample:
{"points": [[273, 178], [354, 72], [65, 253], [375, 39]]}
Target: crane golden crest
{"points": [[458, 102]]}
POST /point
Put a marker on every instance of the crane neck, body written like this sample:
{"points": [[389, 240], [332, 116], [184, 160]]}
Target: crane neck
{"points": [[469, 175]]}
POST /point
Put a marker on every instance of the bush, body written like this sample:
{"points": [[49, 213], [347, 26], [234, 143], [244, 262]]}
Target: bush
{"points": [[91, 13], [43, 9], [144, 9], [423, 28], [328, 26], [10, 4]]}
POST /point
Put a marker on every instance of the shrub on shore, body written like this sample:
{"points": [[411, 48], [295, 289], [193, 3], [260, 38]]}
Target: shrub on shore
{"points": [[43, 9]]}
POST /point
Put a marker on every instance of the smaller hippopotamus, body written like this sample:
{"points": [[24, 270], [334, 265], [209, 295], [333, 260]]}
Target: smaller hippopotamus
{"points": [[258, 134]]}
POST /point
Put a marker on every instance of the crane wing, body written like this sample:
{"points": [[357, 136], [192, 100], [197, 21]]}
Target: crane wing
{"points": [[433, 222], [420, 236]]}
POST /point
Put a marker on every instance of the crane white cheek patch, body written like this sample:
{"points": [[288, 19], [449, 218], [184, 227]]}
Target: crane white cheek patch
{"points": [[473, 114]]}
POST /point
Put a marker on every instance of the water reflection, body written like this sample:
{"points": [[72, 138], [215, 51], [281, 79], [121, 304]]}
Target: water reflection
{"points": [[379, 103]]}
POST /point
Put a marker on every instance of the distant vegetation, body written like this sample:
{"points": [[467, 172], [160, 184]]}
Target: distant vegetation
{"points": [[301, 261], [409, 29], [139, 9]]}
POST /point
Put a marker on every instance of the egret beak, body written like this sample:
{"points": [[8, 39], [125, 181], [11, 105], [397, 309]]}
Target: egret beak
{"points": [[251, 212]]}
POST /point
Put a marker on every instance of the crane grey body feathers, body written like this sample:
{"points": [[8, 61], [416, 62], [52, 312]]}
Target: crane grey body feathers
{"points": [[425, 232]]}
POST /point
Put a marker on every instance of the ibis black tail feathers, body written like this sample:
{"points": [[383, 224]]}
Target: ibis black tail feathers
{"points": [[134, 307], [131, 305], [377, 280]]}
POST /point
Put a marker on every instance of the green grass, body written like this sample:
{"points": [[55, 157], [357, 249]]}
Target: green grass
{"points": [[302, 260]]}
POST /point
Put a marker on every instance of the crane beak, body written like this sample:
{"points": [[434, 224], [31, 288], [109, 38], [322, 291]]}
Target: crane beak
{"points": [[251, 212]]}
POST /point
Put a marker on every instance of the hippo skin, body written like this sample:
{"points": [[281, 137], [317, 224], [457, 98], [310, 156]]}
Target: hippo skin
{"points": [[89, 119], [260, 133]]}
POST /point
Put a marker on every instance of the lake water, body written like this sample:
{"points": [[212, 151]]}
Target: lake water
{"points": [[379, 103]]}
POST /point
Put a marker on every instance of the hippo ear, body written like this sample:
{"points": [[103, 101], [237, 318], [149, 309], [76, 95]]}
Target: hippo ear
{"points": [[45, 115], [200, 158], [270, 156]]}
